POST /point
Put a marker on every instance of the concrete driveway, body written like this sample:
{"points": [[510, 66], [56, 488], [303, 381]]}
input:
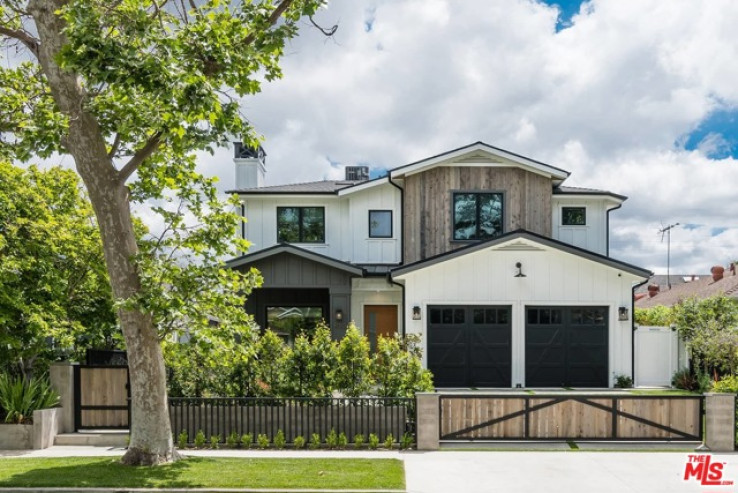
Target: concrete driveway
{"points": [[565, 472]]}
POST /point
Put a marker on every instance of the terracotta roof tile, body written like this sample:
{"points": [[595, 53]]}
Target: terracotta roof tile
{"points": [[705, 287]]}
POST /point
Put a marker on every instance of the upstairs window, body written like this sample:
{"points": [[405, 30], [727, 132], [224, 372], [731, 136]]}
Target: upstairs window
{"points": [[477, 216], [573, 216], [301, 224], [380, 224]]}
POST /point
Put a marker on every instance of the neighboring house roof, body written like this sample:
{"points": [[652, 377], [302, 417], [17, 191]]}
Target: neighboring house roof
{"points": [[705, 287], [250, 258], [557, 174], [527, 235], [662, 281], [562, 190]]}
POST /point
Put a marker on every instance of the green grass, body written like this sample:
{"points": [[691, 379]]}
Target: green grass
{"points": [[86, 472], [662, 392]]}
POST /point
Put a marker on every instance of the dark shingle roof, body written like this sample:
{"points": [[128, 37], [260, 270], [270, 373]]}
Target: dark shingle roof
{"points": [[317, 187]]}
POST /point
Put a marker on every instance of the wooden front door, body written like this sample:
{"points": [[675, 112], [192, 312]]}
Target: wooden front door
{"points": [[379, 320]]}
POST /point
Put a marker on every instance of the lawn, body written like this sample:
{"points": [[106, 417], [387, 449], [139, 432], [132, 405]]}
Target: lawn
{"points": [[85, 472]]}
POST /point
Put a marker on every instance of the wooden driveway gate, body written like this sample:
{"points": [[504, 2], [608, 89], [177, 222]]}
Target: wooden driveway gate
{"points": [[101, 397], [605, 417]]}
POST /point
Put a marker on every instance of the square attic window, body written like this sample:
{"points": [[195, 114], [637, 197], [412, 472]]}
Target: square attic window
{"points": [[573, 216]]}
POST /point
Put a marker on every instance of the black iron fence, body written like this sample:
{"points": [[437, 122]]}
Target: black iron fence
{"points": [[294, 416]]}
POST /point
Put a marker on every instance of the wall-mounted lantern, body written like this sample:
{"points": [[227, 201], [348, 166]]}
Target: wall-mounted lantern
{"points": [[416, 312], [339, 315], [623, 313]]}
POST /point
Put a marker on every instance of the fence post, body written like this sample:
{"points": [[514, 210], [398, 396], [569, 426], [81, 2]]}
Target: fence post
{"points": [[720, 422], [61, 376], [428, 421]]}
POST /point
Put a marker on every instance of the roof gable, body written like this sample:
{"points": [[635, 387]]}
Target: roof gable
{"points": [[250, 258], [522, 240], [481, 154]]}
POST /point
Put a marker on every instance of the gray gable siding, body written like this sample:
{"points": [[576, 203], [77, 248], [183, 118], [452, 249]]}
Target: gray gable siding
{"points": [[287, 271]]}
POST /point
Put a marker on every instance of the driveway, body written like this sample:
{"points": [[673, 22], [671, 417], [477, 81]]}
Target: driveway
{"points": [[552, 472]]}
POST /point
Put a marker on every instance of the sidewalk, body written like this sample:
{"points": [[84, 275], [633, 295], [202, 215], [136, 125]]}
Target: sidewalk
{"points": [[499, 471]]}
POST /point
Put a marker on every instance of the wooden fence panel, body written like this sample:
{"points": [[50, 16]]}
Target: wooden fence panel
{"points": [[553, 418]]}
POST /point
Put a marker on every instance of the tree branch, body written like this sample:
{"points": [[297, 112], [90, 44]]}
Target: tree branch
{"points": [[139, 157], [29, 41], [278, 11], [115, 146]]}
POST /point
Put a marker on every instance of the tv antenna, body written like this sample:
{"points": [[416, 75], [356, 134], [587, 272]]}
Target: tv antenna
{"points": [[666, 230]]}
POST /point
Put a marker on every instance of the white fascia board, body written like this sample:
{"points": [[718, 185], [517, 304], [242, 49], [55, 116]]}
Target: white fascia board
{"points": [[516, 161], [363, 186]]}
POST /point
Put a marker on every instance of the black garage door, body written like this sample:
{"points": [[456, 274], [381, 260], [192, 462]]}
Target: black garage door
{"points": [[566, 346], [469, 346]]}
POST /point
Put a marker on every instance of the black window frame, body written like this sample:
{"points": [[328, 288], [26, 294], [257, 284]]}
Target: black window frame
{"points": [[584, 215], [301, 228], [390, 222], [476, 193]]}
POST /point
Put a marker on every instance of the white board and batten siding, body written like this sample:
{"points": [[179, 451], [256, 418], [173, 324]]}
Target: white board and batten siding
{"points": [[593, 235], [346, 223], [552, 278]]}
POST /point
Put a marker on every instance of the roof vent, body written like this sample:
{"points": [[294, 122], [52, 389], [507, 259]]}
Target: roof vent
{"points": [[357, 173]]}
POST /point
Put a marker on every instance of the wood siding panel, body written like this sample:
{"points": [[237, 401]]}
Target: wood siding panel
{"points": [[428, 204]]}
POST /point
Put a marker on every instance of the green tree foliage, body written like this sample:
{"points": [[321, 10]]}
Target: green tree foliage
{"points": [[355, 377], [310, 365], [657, 316], [132, 90], [710, 328], [55, 298], [397, 367]]}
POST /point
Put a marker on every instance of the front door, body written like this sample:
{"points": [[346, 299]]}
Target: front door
{"points": [[379, 320]]}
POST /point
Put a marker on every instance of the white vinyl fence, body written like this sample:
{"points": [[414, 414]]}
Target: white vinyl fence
{"points": [[659, 352]]}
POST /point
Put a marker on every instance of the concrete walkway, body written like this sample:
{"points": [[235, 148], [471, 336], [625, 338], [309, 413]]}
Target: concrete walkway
{"points": [[501, 471]]}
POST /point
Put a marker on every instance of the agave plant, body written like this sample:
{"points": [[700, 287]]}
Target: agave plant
{"points": [[20, 397]]}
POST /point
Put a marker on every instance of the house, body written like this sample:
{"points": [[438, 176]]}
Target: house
{"points": [[721, 281], [502, 269]]}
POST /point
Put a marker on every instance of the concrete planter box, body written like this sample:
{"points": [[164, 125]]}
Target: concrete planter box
{"points": [[38, 435]]}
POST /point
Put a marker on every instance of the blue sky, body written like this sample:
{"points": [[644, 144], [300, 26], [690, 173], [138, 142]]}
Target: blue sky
{"points": [[567, 9]]}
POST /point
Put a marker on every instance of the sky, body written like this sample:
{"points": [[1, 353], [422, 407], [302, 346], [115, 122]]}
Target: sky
{"points": [[639, 97]]}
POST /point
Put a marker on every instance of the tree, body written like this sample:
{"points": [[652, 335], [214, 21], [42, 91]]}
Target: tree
{"points": [[131, 90], [55, 298]]}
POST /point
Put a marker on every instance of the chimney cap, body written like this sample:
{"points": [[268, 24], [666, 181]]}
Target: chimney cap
{"points": [[242, 151]]}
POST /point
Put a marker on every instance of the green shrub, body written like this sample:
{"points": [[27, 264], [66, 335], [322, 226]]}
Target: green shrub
{"points": [[199, 439], [727, 385], [314, 441], [331, 440], [658, 316], [373, 441], [182, 440], [623, 382], [694, 382], [389, 441], [262, 441], [232, 440], [342, 440], [358, 441], [299, 442], [214, 441], [246, 440], [397, 367], [20, 397], [407, 441], [279, 440]]}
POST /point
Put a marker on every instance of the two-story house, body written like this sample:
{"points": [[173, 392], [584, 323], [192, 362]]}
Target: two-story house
{"points": [[502, 269]]}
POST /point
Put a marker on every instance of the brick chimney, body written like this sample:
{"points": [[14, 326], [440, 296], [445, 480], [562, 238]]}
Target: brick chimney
{"points": [[653, 290], [717, 272]]}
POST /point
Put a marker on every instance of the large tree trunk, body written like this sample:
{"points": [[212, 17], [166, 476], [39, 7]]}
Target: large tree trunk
{"points": [[151, 436]]}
